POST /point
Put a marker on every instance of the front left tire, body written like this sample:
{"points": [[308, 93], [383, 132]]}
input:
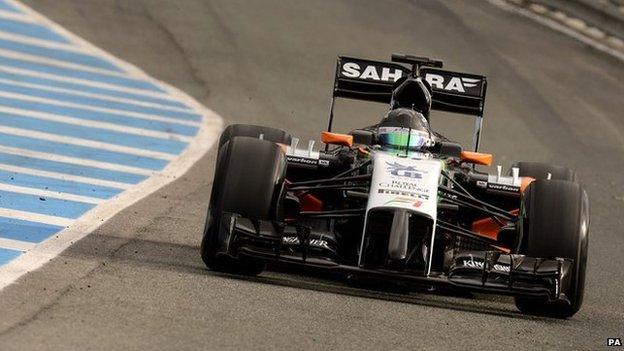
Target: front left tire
{"points": [[248, 181], [253, 131]]}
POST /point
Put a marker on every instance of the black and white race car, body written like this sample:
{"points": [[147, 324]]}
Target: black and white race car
{"points": [[399, 202]]}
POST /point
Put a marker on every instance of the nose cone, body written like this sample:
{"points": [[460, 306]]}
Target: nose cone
{"points": [[399, 237], [394, 239]]}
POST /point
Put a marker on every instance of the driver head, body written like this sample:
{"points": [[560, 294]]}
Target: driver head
{"points": [[404, 128]]}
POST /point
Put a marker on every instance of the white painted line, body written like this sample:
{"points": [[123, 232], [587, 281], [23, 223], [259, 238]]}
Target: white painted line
{"points": [[14, 16], [75, 161], [49, 194], [204, 140], [559, 16], [15, 244], [94, 124], [40, 42], [541, 9], [100, 109], [64, 176], [96, 96], [35, 217], [616, 42], [86, 143], [552, 24], [47, 61], [119, 88], [595, 33]]}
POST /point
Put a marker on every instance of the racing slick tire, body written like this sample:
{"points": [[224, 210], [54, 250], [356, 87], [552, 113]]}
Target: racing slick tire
{"points": [[540, 170], [271, 134], [249, 178], [554, 222]]}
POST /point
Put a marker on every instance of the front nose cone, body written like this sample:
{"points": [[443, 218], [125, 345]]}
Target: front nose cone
{"points": [[398, 240]]}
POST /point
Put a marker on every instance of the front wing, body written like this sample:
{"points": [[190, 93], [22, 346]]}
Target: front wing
{"points": [[481, 271]]}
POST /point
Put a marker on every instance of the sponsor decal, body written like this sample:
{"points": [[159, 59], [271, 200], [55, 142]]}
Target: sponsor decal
{"points": [[403, 193], [503, 187], [438, 79], [307, 161], [482, 184], [449, 83], [293, 240], [479, 265], [405, 200], [399, 170], [404, 185], [370, 72]]}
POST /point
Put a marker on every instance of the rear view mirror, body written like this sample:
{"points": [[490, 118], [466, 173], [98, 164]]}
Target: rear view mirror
{"points": [[363, 137], [448, 148]]}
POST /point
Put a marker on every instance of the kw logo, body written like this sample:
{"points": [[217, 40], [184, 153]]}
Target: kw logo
{"points": [[458, 84]]}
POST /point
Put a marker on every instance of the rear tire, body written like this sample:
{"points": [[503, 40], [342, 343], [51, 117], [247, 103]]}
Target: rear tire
{"points": [[554, 222], [249, 177], [540, 170], [248, 130]]}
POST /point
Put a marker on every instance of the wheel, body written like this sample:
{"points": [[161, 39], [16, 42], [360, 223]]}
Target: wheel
{"points": [[251, 189], [271, 134], [554, 222], [539, 170]]}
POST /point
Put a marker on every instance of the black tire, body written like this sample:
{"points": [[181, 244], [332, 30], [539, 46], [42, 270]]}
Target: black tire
{"points": [[271, 134], [540, 170], [249, 178], [554, 222]]}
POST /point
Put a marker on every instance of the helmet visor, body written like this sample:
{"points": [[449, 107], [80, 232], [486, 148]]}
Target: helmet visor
{"points": [[403, 138]]}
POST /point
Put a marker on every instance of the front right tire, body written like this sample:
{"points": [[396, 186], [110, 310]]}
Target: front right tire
{"points": [[554, 222]]}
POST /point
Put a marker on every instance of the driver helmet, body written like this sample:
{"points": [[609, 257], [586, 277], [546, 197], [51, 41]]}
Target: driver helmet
{"points": [[404, 129]]}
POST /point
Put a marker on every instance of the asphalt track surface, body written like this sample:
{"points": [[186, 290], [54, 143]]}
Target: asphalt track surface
{"points": [[139, 283]]}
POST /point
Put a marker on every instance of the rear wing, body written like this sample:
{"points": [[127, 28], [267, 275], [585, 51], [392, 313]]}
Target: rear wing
{"points": [[374, 81], [366, 80]]}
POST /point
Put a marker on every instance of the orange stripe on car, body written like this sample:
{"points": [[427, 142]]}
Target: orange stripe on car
{"points": [[477, 158], [524, 183], [337, 138], [489, 228]]}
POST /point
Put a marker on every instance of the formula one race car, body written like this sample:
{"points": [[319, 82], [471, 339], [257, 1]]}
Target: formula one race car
{"points": [[398, 202]]}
